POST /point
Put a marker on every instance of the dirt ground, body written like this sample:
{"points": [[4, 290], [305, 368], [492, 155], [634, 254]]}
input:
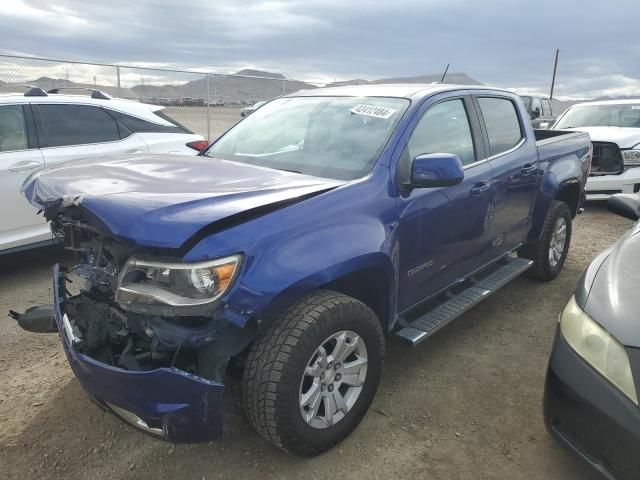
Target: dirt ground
{"points": [[465, 404]]}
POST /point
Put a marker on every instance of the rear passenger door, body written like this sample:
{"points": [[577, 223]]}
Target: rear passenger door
{"points": [[70, 131], [514, 163]]}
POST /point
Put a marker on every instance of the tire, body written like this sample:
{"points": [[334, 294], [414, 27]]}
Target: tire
{"points": [[547, 266], [278, 365]]}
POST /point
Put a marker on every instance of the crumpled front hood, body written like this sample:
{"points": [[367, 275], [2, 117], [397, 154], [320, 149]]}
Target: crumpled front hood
{"points": [[622, 136], [163, 200], [608, 290]]}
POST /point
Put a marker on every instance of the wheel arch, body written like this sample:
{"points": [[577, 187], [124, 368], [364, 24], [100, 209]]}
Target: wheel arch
{"points": [[369, 279], [567, 191], [370, 286]]}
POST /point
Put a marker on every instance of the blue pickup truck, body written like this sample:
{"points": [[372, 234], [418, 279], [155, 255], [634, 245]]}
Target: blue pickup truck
{"points": [[285, 253]]}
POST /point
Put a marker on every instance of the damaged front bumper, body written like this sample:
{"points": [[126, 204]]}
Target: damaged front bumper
{"points": [[165, 402]]}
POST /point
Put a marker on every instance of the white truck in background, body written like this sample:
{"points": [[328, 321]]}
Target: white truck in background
{"points": [[614, 127]]}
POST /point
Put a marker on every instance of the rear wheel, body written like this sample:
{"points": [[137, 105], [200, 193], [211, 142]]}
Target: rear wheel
{"points": [[550, 251], [310, 378]]}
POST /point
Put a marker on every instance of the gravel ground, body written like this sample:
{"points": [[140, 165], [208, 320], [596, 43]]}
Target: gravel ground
{"points": [[466, 404]]}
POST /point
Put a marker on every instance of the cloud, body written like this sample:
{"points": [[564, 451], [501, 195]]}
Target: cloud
{"points": [[504, 43], [67, 22]]}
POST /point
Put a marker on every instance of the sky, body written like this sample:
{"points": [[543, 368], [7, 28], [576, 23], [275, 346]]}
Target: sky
{"points": [[508, 44]]}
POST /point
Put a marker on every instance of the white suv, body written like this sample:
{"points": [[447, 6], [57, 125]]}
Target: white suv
{"points": [[41, 128]]}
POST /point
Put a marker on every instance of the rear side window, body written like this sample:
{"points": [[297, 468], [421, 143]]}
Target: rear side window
{"points": [[546, 107], [66, 125], [13, 132], [444, 128], [503, 126], [164, 116], [535, 105], [138, 125]]}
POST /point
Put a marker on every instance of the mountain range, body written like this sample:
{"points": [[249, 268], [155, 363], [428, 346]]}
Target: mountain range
{"points": [[246, 85], [250, 85]]}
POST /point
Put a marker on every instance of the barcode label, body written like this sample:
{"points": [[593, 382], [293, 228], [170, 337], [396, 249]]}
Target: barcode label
{"points": [[373, 111]]}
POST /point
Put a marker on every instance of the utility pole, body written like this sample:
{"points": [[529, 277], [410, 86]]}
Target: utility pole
{"points": [[445, 73], [208, 104], [555, 69], [118, 80]]}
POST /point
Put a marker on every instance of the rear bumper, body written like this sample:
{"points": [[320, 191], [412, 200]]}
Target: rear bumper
{"points": [[603, 186], [588, 415], [166, 402]]}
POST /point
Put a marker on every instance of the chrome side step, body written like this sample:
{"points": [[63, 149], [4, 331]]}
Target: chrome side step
{"points": [[426, 325]]}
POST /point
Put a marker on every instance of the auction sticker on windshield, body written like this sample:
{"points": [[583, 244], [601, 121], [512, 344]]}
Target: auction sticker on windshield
{"points": [[373, 111]]}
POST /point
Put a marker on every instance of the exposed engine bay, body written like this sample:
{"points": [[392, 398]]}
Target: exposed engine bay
{"points": [[201, 344]]}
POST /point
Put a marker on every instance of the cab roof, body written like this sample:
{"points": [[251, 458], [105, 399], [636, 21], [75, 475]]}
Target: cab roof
{"points": [[399, 90]]}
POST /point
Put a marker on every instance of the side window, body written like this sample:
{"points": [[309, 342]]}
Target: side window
{"points": [[76, 125], [501, 119], [546, 107], [164, 116], [535, 103], [13, 132], [444, 128], [138, 125]]}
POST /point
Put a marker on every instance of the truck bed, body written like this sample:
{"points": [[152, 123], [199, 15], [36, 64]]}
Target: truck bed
{"points": [[553, 143], [556, 144], [544, 137]]}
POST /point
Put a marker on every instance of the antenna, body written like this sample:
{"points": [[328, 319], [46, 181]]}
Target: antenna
{"points": [[555, 68], [445, 73]]}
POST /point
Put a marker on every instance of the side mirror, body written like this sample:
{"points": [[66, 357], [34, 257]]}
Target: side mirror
{"points": [[535, 114], [436, 170], [625, 204]]}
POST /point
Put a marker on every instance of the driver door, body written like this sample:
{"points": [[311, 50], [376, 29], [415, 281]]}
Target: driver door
{"points": [[443, 231]]}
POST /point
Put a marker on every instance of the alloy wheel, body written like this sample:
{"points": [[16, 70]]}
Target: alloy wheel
{"points": [[333, 379]]}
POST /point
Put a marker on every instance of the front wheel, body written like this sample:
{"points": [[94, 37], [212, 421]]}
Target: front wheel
{"points": [[550, 251], [310, 378]]}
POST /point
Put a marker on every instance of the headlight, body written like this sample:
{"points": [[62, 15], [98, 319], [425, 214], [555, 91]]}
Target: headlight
{"points": [[598, 348], [631, 158], [149, 286]]}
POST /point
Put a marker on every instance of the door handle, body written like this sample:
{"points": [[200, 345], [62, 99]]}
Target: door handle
{"points": [[134, 151], [480, 188], [529, 168], [25, 166]]}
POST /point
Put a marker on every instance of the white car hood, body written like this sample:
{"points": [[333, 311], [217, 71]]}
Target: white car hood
{"points": [[624, 137]]}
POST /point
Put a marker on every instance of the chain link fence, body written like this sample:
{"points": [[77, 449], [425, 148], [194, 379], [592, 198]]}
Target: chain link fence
{"points": [[207, 102]]}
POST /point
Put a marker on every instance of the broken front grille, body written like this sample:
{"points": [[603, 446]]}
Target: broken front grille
{"points": [[607, 159]]}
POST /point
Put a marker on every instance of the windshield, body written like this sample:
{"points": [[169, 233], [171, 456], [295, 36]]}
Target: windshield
{"points": [[331, 137], [625, 115]]}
